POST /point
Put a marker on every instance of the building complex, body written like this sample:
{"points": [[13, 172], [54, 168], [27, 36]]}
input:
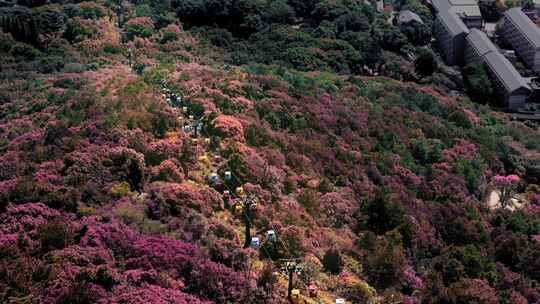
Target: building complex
{"points": [[457, 29], [524, 36], [508, 83]]}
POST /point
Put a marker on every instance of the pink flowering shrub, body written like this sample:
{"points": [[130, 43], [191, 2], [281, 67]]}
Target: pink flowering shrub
{"points": [[168, 198], [407, 175], [113, 261], [229, 127], [471, 116], [26, 218], [532, 209], [155, 294], [338, 209], [535, 199], [85, 165], [168, 171], [140, 27], [474, 290], [48, 177], [424, 240], [411, 300], [412, 279], [6, 188], [445, 186], [11, 164], [462, 149], [161, 150], [509, 179]]}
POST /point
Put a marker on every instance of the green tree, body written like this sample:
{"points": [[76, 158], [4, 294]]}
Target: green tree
{"points": [[278, 11], [425, 63], [427, 151], [369, 48], [138, 29], [325, 186], [326, 29], [388, 36], [385, 263], [477, 83], [332, 261], [75, 32], [384, 214], [24, 51], [353, 21], [418, 34], [143, 10], [303, 8], [417, 7], [54, 235], [328, 10], [304, 59]]}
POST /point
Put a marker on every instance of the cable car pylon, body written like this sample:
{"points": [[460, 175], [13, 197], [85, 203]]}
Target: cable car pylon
{"points": [[245, 203], [290, 267], [248, 203]]}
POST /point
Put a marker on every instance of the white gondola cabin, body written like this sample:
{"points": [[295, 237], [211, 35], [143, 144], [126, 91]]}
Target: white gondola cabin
{"points": [[214, 178], [255, 243], [270, 235]]}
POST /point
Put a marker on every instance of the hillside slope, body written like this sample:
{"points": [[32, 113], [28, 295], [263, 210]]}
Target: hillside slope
{"points": [[112, 190]]}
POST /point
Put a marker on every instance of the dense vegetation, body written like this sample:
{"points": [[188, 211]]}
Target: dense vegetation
{"points": [[342, 36], [375, 184]]}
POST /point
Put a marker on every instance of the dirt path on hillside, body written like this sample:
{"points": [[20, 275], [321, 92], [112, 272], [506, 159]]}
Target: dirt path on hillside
{"points": [[494, 202]]}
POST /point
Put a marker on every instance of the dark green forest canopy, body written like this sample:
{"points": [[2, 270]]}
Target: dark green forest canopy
{"points": [[340, 36]]}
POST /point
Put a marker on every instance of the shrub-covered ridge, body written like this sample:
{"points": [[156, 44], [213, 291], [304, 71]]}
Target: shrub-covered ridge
{"points": [[381, 188]]}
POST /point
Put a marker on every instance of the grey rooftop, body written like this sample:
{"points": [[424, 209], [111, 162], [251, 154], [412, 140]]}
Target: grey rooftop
{"points": [[408, 16], [463, 2], [506, 72], [464, 8], [480, 42], [525, 25], [441, 5], [467, 10], [454, 24]]}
